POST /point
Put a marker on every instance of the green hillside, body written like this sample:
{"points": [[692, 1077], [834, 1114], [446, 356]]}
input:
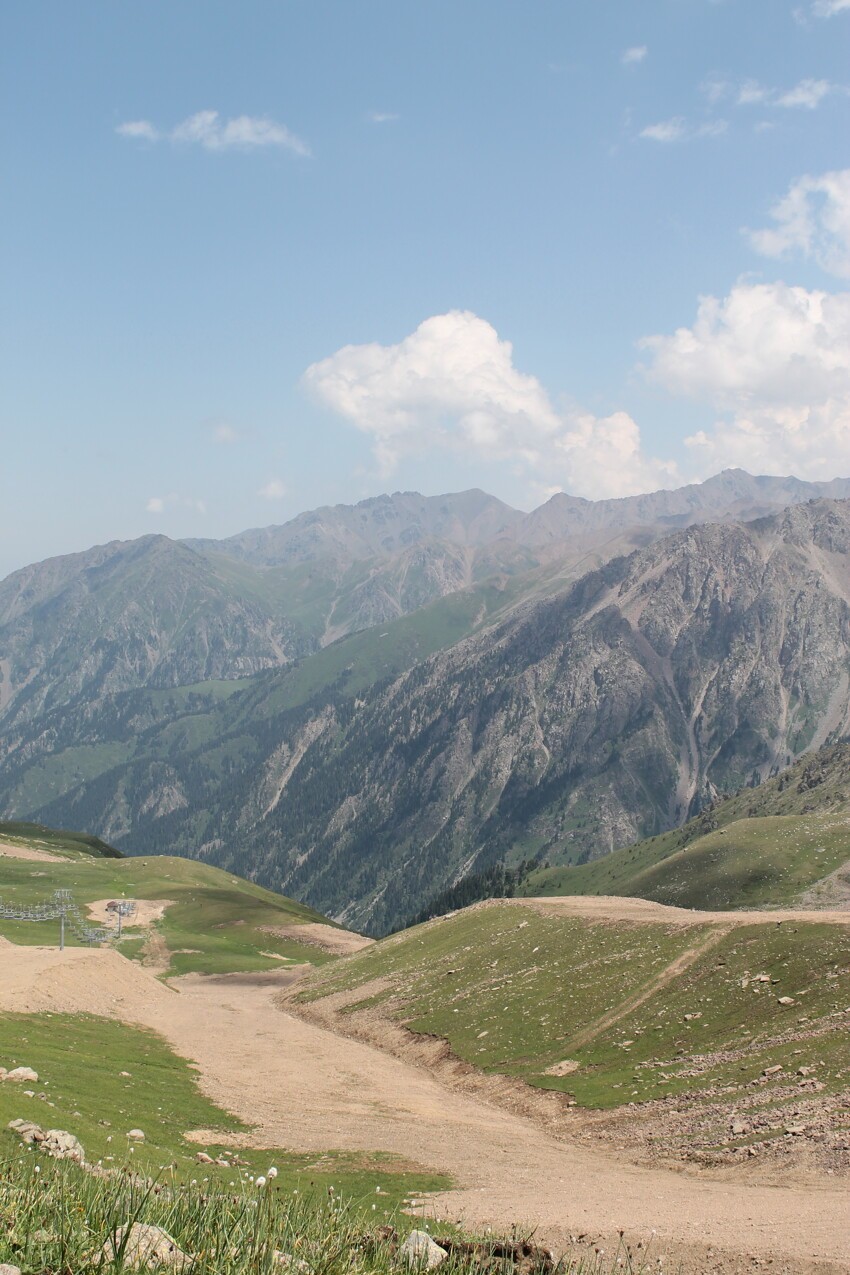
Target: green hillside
{"points": [[765, 847], [214, 922], [57, 839]]}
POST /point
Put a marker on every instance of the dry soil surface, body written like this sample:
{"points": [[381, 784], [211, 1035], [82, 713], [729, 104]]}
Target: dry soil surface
{"points": [[305, 1088], [147, 912], [10, 851], [326, 937], [615, 908]]}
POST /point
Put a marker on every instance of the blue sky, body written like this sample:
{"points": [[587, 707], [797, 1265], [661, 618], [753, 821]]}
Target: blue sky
{"points": [[267, 256]]}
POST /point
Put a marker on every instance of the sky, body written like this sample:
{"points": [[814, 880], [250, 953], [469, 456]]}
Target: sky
{"points": [[265, 256]]}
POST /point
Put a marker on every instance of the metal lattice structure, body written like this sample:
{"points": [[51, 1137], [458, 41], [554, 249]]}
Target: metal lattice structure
{"points": [[63, 908]]}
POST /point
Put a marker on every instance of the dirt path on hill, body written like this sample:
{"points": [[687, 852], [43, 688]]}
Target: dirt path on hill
{"points": [[616, 908], [667, 975], [308, 1089], [10, 851]]}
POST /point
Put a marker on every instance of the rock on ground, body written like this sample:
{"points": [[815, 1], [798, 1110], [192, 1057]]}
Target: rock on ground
{"points": [[20, 1074], [145, 1245], [421, 1251], [58, 1143]]}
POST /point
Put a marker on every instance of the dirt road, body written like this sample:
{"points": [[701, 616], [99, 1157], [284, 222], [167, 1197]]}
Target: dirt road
{"points": [[305, 1088], [616, 908]]}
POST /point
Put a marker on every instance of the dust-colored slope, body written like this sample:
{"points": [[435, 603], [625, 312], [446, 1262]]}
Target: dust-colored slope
{"points": [[306, 1088], [617, 908]]}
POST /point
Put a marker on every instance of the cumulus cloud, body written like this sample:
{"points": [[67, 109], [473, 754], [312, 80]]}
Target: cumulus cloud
{"points": [[274, 489], [382, 117], [772, 359], [155, 505], [209, 130], [452, 385], [637, 53], [812, 219], [829, 8]]}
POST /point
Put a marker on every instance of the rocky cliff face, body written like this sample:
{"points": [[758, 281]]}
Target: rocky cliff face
{"points": [[706, 661]]}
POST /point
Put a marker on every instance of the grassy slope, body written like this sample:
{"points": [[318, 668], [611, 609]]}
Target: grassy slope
{"points": [[515, 992], [215, 923], [59, 840], [79, 1060], [764, 847]]}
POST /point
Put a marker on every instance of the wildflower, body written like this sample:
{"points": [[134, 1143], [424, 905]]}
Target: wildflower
{"points": [[261, 1181], [272, 1173], [37, 1168]]}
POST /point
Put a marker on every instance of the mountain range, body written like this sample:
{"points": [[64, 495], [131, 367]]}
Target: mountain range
{"points": [[371, 701]]}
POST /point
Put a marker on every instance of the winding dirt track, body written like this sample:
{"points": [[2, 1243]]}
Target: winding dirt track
{"points": [[305, 1088]]}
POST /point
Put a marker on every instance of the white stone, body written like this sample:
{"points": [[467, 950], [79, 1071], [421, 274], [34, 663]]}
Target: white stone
{"points": [[146, 1245], [420, 1250]]}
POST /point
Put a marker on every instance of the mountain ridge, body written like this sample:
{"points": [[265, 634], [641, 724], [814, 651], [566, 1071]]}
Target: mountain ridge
{"points": [[577, 724]]}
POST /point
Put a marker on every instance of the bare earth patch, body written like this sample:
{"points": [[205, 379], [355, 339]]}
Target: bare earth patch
{"points": [[10, 851], [147, 913], [326, 937], [565, 1068], [310, 1089], [616, 908]]}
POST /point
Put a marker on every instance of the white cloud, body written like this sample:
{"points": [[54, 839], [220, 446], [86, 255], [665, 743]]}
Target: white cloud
{"points": [[829, 8], [636, 54], [274, 489], [813, 218], [772, 359], [159, 504], [667, 131], [452, 385], [382, 117], [138, 128], [751, 93], [678, 129], [808, 94], [209, 130]]}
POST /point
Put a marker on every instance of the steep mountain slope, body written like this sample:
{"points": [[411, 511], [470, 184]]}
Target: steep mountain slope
{"points": [[575, 726], [148, 612], [155, 613], [787, 841]]}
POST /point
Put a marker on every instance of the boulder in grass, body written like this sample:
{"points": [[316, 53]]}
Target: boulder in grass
{"points": [[58, 1143], [286, 1262], [419, 1250], [62, 1145], [145, 1245], [27, 1130], [21, 1073], [7, 1269], [136, 1135]]}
